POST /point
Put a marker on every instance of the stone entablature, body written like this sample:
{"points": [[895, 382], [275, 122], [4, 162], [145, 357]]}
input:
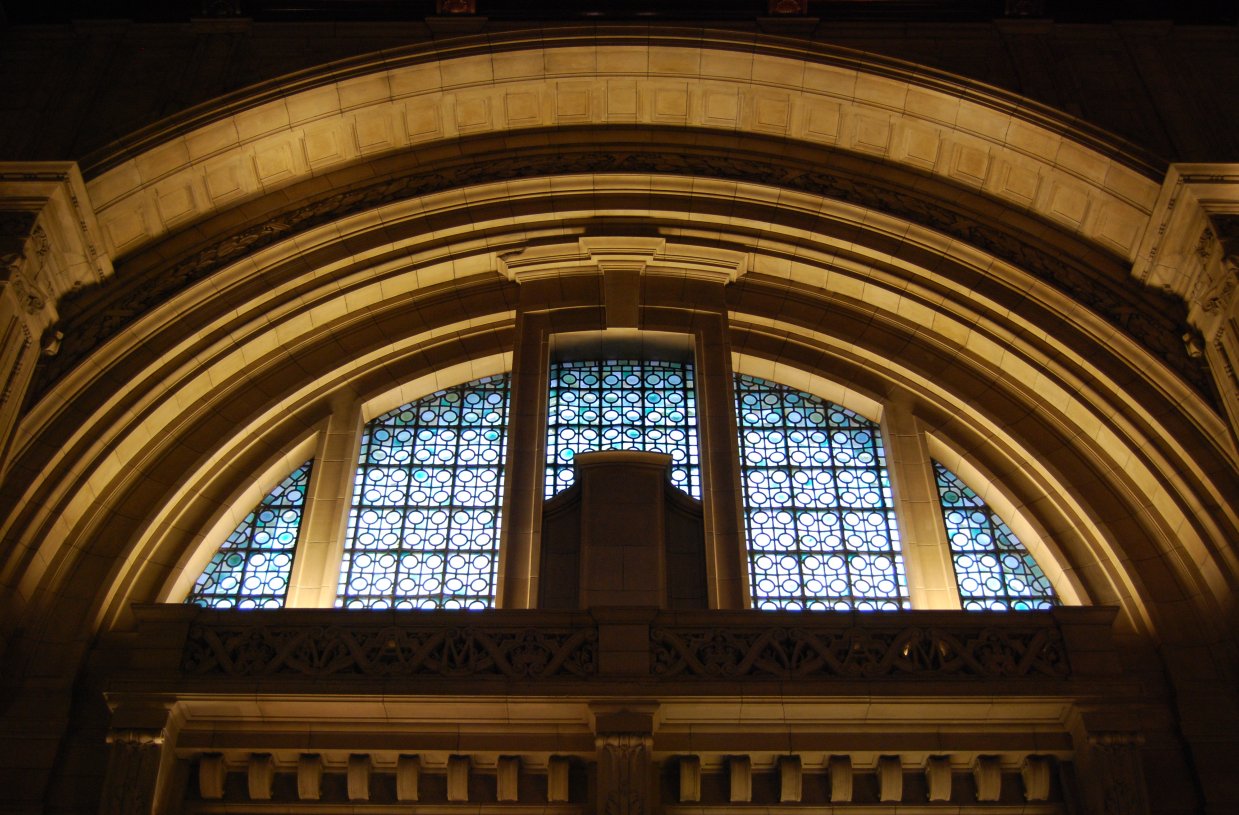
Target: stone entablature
{"points": [[617, 710], [194, 649]]}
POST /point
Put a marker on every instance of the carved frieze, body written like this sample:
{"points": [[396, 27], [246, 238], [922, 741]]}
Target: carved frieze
{"points": [[314, 651], [1154, 320], [242, 648], [820, 652]]}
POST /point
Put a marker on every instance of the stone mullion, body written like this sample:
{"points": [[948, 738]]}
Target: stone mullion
{"points": [[722, 498], [320, 547], [926, 554], [521, 533]]}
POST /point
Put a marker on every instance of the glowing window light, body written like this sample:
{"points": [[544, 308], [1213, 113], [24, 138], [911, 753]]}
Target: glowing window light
{"points": [[645, 405], [251, 568], [424, 528], [817, 504], [992, 568]]}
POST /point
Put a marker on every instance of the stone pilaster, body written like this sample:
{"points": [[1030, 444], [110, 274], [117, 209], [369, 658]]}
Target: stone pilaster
{"points": [[138, 760], [1117, 773]]}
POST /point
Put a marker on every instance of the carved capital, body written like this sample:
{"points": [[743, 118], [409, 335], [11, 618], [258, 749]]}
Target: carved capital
{"points": [[48, 236], [133, 772]]}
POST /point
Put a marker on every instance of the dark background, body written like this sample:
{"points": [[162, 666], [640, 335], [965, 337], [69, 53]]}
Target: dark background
{"points": [[19, 12]]}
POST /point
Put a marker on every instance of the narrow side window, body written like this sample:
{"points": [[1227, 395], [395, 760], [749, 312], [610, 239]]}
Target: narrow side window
{"points": [[992, 568], [251, 569]]}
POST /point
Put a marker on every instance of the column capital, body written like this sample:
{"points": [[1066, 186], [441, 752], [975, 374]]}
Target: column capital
{"points": [[49, 242]]}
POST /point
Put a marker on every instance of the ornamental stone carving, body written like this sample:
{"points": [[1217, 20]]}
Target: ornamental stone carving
{"points": [[624, 773], [1151, 318], [313, 651], [909, 652]]}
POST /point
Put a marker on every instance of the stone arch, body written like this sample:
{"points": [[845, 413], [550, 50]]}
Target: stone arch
{"points": [[941, 250]]}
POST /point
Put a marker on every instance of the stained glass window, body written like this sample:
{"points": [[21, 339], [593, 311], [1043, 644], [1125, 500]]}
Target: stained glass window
{"points": [[424, 527], [251, 569], [647, 405], [817, 503], [992, 567]]}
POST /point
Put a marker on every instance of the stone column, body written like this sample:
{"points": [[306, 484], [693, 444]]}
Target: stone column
{"points": [[137, 761], [48, 247]]}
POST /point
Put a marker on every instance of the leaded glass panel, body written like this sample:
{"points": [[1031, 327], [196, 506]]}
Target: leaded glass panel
{"points": [[645, 405], [251, 569], [817, 503], [992, 568], [424, 527]]}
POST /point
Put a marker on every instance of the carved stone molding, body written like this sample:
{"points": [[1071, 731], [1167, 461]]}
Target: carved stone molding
{"points": [[48, 235], [1153, 320]]}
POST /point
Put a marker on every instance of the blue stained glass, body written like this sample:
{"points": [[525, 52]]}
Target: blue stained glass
{"points": [[424, 528], [817, 503], [992, 568], [647, 405], [251, 569]]}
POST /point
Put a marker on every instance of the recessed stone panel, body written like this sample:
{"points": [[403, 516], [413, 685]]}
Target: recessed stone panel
{"points": [[125, 227], [522, 109], [274, 162], [1068, 204], [871, 134], [671, 104], [323, 145], [822, 120], [424, 119], [227, 179], [921, 146], [472, 113], [1119, 225], [720, 108], [623, 101], [573, 102], [970, 163], [175, 201], [771, 113], [1018, 183], [374, 131]]}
